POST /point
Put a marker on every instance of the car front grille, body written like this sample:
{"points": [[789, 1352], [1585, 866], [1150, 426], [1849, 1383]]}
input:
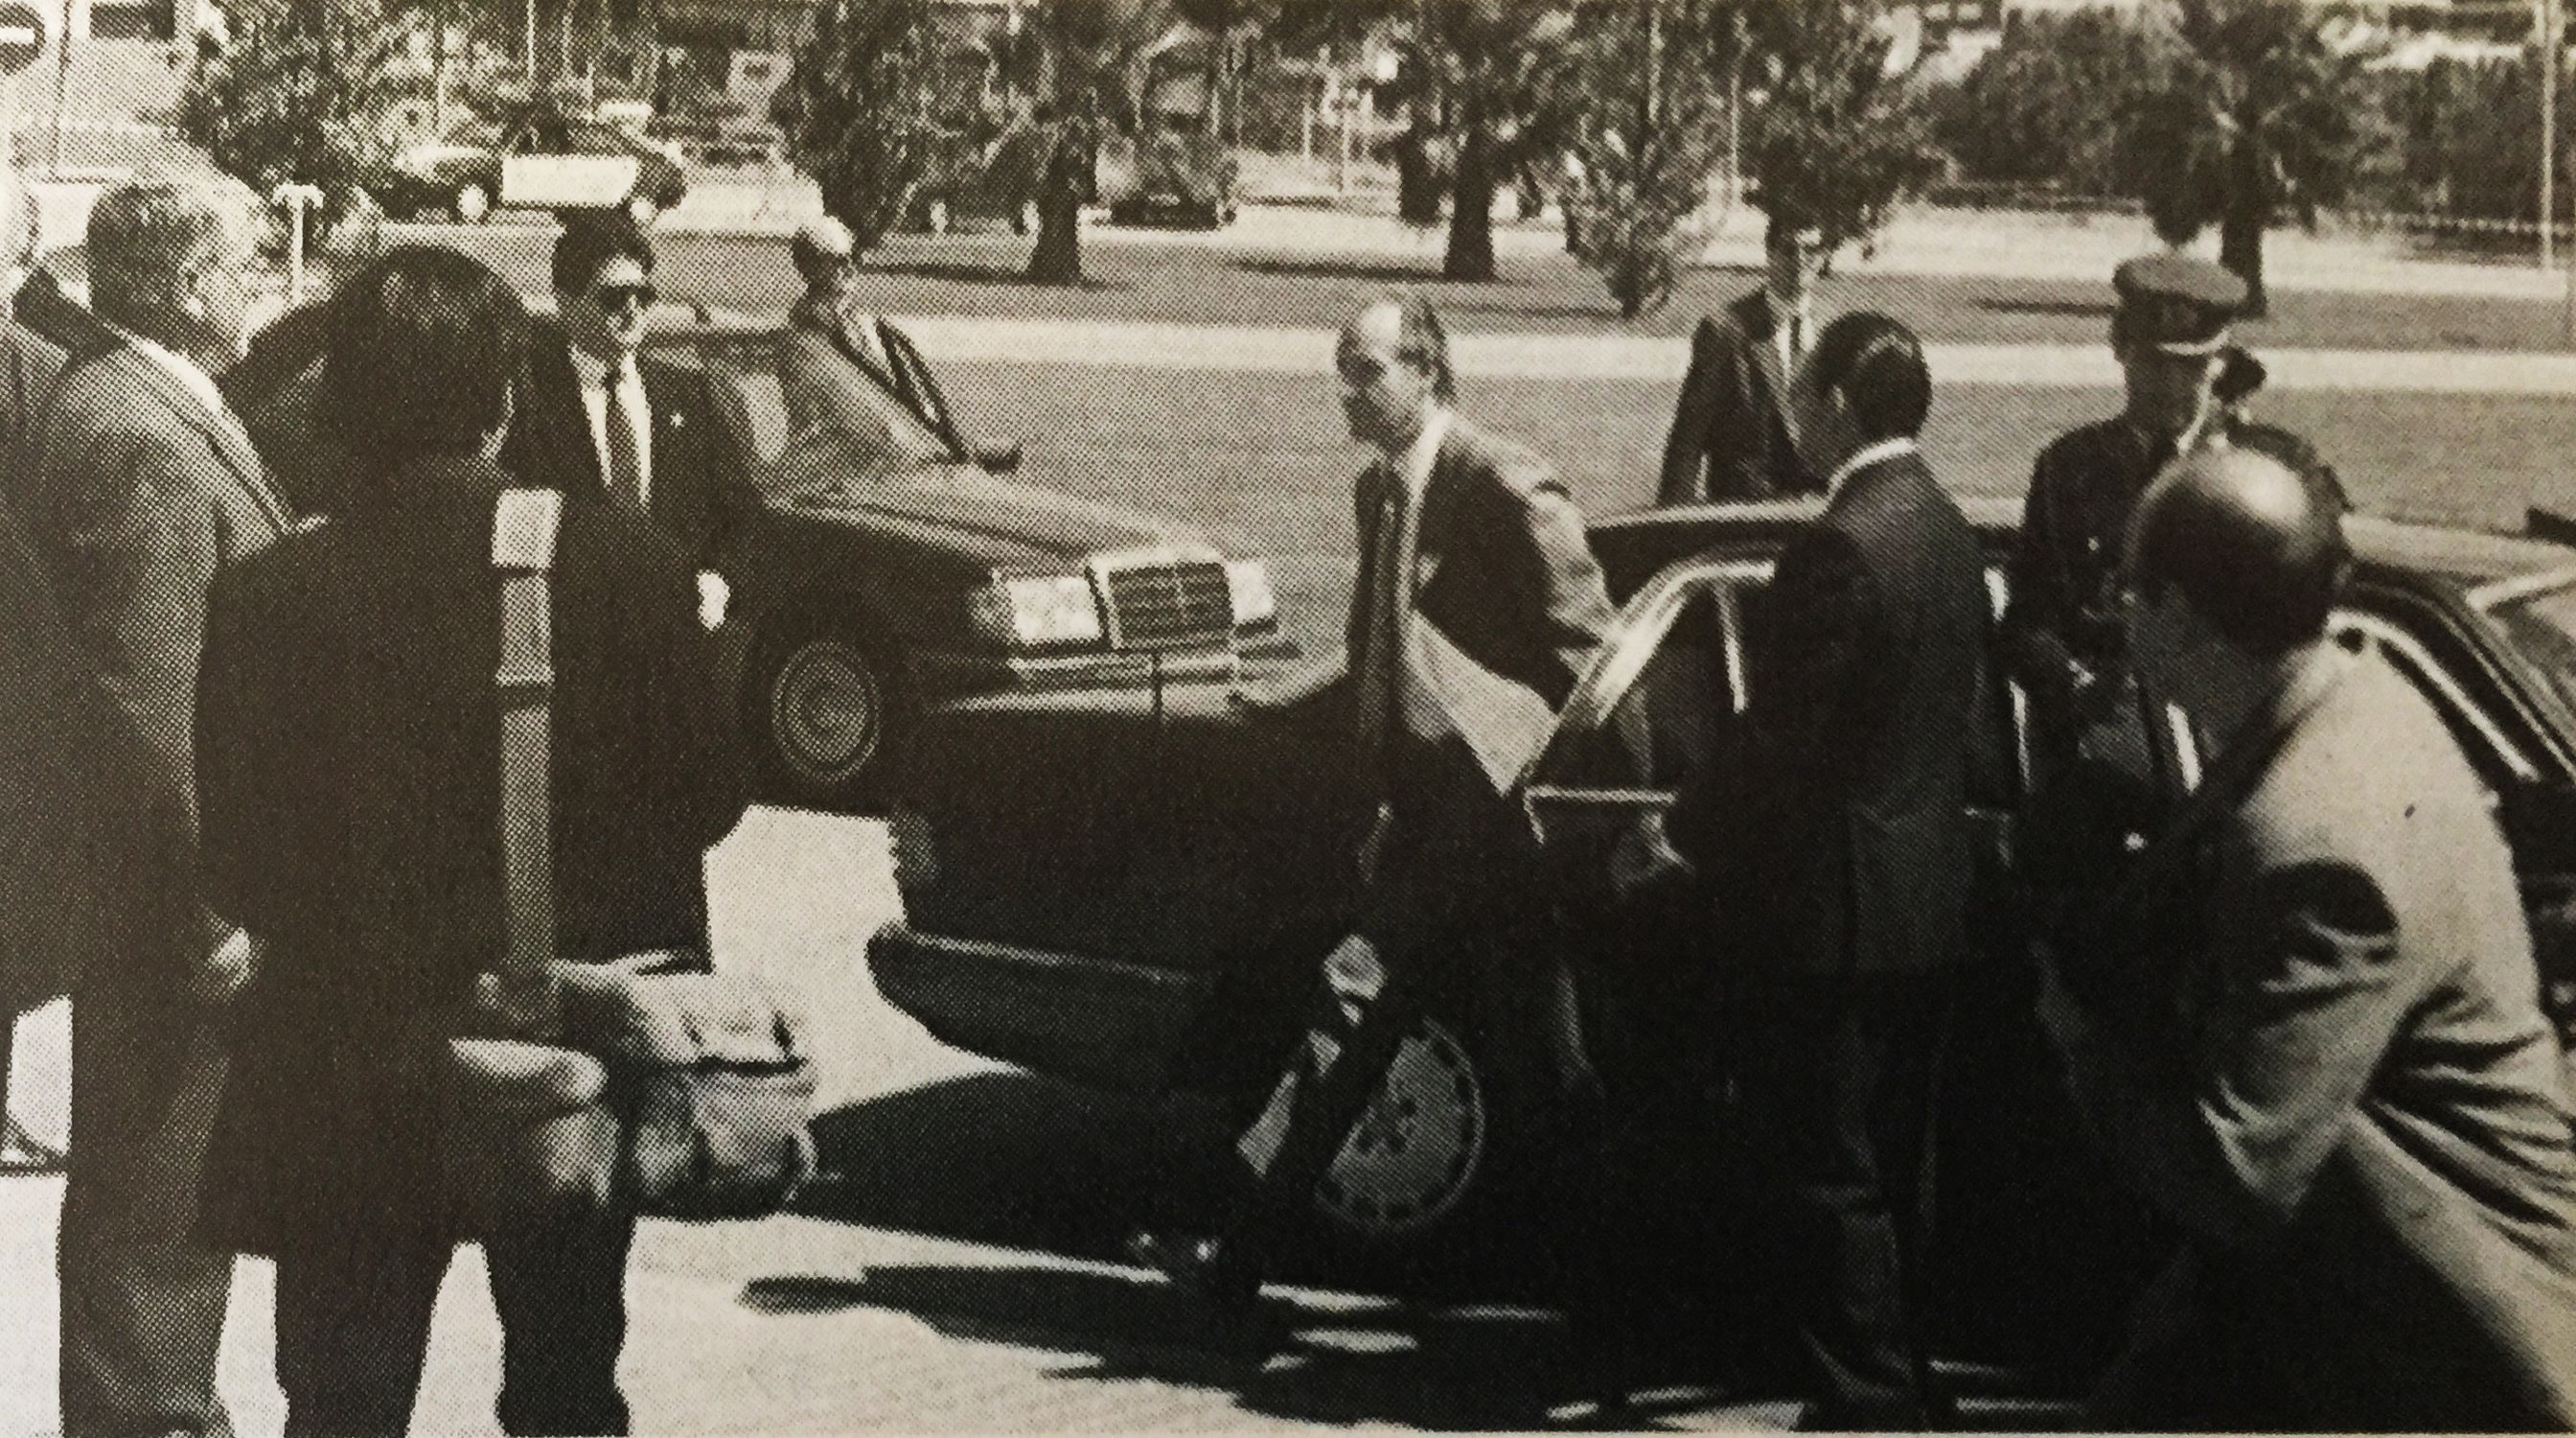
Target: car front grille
{"points": [[1166, 603]]}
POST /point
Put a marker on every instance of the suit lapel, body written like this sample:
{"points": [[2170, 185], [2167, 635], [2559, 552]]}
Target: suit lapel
{"points": [[563, 425], [1762, 328], [229, 440]]}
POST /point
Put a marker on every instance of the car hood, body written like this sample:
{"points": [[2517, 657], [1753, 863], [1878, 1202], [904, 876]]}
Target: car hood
{"points": [[1002, 523]]}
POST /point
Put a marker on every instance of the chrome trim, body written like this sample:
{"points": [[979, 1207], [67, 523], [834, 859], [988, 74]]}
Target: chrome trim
{"points": [[2487, 597], [1171, 558]]}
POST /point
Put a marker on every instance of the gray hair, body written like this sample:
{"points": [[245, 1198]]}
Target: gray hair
{"points": [[150, 238]]}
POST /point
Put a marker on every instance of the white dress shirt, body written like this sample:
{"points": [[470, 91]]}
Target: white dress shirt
{"points": [[195, 380], [1868, 455], [592, 374], [1788, 321]]}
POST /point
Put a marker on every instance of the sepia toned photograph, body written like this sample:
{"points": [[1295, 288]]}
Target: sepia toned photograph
{"points": [[1029, 716]]}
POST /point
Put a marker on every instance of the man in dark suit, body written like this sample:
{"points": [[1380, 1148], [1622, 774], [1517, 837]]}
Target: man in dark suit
{"points": [[1735, 427], [2308, 1024], [1834, 832], [1477, 608], [140, 483], [350, 770], [602, 422]]}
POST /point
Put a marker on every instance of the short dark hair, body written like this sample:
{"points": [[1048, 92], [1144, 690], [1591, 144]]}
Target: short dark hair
{"points": [[1876, 364], [1785, 224], [1422, 342], [588, 244], [2253, 540], [422, 348]]}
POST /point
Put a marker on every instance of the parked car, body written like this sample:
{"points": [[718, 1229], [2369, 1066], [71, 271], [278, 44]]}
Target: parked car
{"points": [[460, 176], [1149, 918], [1184, 179], [977, 178], [887, 565]]}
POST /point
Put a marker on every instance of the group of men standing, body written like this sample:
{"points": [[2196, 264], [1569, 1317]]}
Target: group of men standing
{"points": [[133, 477], [2297, 1002]]}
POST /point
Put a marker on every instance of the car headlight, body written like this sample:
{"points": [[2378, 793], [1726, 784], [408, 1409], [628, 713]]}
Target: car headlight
{"points": [[1247, 583], [1043, 610]]}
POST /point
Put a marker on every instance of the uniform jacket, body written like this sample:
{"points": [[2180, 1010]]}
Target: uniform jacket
{"points": [[698, 496], [1503, 571], [2348, 1095], [351, 793], [1833, 818], [1734, 435]]}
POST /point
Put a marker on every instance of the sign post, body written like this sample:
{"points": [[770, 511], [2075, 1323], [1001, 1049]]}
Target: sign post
{"points": [[300, 201]]}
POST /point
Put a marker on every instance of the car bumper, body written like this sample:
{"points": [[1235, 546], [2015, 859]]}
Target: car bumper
{"points": [[1096, 1021], [951, 672]]}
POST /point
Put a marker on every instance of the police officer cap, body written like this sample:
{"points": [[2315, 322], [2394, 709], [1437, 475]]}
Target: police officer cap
{"points": [[2177, 304]]}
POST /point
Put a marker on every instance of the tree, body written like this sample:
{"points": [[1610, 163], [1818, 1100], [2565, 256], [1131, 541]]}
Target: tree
{"points": [[1500, 73], [1840, 137], [858, 110], [2049, 105], [1647, 137], [298, 94], [2262, 112]]}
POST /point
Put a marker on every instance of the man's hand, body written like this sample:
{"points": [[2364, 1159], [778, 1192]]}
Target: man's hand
{"points": [[228, 968]]}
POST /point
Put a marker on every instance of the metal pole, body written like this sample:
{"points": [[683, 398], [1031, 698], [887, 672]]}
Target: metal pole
{"points": [[2549, 46], [62, 83]]}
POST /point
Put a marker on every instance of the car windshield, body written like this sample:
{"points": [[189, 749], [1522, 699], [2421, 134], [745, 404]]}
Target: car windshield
{"points": [[2543, 627], [850, 431]]}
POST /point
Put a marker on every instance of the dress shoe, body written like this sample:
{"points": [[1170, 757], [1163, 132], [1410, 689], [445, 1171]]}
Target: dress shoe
{"points": [[1217, 1271]]}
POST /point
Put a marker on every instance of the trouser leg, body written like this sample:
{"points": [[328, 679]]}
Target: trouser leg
{"points": [[561, 1293], [1816, 1057], [1364, 1010], [353, 1318], [143, 1305]]}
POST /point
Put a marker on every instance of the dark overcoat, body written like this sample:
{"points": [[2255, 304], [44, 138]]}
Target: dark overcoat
{"points": [[350, 743], [1734, 433]]}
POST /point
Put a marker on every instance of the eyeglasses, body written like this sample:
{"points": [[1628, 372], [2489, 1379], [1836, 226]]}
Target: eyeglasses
{"points": [[618, 297]]}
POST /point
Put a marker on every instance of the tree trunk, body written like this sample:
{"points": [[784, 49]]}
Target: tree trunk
{"points": [[1471, 205], [1056, 259], [2240, 228], [1417, 188]]}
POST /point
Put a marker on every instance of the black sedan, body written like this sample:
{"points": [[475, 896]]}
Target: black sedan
{"points": [[1149, 919]]}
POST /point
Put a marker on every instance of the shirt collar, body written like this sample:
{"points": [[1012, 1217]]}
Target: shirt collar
{"points": [[1879, 453], [1414, 468], [188, 372], [592, 370]]}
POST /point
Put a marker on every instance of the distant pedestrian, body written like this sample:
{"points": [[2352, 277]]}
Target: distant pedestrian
{"points": [[1735, 432], [2308, 1024], [1834, 836], [1478, 605], [349, 766]]}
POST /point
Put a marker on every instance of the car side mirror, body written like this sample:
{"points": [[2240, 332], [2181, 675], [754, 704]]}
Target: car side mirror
{"points": [[1003, 458]]}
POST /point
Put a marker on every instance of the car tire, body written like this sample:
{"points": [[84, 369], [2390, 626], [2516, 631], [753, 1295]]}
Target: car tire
{"points": [[820, 703], [471, 205]]}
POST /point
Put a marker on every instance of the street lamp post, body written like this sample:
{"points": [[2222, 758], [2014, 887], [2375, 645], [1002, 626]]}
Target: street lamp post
{"points": [[2547, 23]]}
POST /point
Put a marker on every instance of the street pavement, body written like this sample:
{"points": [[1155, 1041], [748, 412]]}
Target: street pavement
{"points": [[947, 1276]]}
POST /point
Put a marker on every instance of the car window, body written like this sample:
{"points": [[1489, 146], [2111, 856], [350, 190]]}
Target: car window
{"points": [[2543, 626], [1648, 714], [852, 442]]}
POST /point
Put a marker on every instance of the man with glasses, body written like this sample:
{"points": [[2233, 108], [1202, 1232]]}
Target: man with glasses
{"points": [[603, 421], [138, 482]]}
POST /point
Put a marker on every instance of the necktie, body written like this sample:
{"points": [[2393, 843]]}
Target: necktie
{"points": [[625, 461], [1390, 606], [1797, 342]]}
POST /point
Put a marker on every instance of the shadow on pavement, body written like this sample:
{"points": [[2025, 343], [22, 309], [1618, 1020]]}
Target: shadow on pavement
{"points": [[1378, 272], [1015, 276], [1015, 1161], [1318, 1360]]}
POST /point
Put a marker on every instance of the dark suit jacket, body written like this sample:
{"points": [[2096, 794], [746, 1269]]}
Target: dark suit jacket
{"points": [[1504, 572], [1733, 434], [350, 779], [2346, 1092], [699, 497], [1834, 819]]}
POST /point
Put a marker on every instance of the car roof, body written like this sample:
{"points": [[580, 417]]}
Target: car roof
{"points": [[2454, 555]]}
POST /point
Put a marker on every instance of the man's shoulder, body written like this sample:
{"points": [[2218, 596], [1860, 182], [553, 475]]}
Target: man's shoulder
{"points": [[2371, 763], [2085, 446], [1496, 460]]}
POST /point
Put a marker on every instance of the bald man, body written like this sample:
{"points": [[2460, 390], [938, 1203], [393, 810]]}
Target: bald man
{"points": [[1478, 605], [2308, 1025]]}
